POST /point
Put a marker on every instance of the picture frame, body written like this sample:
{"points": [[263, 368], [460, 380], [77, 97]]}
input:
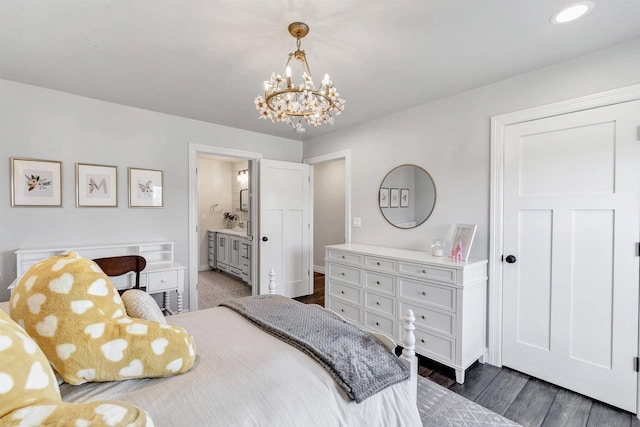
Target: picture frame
{"points": [[96, 186], [383, 197], [145, 188], [35, 182], [463, 235], [394, 198], [404, 197]]}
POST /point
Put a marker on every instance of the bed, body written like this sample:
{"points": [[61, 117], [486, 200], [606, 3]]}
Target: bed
{"points": [[244, 376]]}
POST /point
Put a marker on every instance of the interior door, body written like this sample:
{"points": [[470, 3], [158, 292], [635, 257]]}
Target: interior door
{"points": [[285, 230], [572, 223]]}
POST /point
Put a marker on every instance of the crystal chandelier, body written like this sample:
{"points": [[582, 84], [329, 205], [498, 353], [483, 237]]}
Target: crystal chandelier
{"points": [[287, 102]]}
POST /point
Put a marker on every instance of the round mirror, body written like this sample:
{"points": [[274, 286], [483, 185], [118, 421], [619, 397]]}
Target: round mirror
{"points": [[407, 196]]}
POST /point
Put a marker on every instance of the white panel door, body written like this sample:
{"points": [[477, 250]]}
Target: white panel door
{"points": [[572, 223], [285, 234]]}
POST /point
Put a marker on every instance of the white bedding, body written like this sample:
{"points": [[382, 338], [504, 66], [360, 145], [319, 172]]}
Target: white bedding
{"points": [[245, 377]]}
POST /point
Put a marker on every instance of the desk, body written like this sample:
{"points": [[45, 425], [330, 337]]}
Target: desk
{"points": [[162, 273]]}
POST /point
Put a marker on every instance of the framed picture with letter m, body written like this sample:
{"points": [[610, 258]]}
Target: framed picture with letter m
{"points": [[96, 186]]}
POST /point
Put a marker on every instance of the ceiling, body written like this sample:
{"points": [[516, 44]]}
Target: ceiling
{"points": [[206, 60]]}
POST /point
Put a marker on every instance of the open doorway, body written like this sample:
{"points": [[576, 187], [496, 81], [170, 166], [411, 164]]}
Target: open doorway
{"points": [[224, 235], [331, 210], [216, 177]]}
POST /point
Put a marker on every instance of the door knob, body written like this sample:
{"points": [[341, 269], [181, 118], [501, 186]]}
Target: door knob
{"points": [[510, 259], [265, 238]]}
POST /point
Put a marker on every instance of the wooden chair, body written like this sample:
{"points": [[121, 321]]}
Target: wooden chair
{"points": [[119, 265]]}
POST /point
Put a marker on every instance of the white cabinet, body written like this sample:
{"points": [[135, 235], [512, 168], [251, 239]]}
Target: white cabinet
{"points": [[161, 274], [233, 254], [374, 286]]}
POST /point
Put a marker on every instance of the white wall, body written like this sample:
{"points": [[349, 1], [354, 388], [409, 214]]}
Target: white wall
{"points": [[450, 138], [46, 124], [328, 207]]}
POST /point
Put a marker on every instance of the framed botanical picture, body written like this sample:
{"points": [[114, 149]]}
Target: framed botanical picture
{"points": [[404, 197], [394, 198], [96, 185], [145, 188], [462, 241], [383, 198], [36, 182]]}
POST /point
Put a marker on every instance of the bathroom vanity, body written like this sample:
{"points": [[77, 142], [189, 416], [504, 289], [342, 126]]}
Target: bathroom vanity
{"points": [[230, 251]]}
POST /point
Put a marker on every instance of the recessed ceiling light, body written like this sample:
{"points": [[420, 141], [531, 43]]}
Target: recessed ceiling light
{"points": [[573, 12]]}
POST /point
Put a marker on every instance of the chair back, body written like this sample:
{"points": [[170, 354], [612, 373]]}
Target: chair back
{"points": [[119, 265]]}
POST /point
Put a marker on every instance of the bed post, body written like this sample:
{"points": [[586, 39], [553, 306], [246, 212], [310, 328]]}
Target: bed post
{"points": [[408, 356], [272, 281]]}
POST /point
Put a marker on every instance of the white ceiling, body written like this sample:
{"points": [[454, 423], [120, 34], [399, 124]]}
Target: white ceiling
{"points": [[207, 60]]}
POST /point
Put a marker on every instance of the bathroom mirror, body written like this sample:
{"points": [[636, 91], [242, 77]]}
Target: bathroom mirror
{"points": [[244, 200], [407, 196]]}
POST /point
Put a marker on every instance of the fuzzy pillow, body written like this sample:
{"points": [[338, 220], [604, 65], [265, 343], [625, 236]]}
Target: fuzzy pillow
{"points": [[141, 305], [73, 311], [30, 395]]}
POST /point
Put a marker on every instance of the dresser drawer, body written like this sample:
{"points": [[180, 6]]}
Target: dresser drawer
{"points": [[345, 292], [431, 319], [438, 296], [345, 310], [378, 323], [380, 282], [346, 257], [432, 345], [158, 281], [346, 274], [427, 272], [380, 303], [381, 264]]}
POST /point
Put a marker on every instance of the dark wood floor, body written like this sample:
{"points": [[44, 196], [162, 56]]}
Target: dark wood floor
{"points": [[519, 397]]}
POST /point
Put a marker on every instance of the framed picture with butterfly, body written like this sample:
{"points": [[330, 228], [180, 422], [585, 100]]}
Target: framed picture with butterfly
{"points": [[145, 188]]}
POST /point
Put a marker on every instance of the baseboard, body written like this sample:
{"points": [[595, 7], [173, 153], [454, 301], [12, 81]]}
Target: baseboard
{"points": [[204, 267], [318, 269]]}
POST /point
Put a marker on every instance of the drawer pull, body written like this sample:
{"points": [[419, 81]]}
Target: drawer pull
{"points": [[342, 256], [424, 293], [342, 310], [342, 292], [377, 282], [377, 324], [342, 274], [163, 280], [423, 317], [424, 271], [377, 263], [422, 340], [377, 302]]}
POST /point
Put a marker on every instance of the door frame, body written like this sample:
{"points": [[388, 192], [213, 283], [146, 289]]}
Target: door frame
{"points": [[496, 220], [194, 150], [337, 155]]}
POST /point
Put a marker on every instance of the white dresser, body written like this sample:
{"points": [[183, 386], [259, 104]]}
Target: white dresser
{"points": [[375, 285]]}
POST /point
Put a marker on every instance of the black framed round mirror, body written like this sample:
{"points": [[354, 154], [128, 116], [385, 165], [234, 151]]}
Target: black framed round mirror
{"points": [[407, 196]]}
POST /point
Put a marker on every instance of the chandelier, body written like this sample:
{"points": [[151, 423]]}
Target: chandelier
{"points": [[287, 102]]}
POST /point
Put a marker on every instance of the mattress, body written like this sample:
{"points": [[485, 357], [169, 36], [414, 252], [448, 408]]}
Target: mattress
{"points": [[246, 377]]}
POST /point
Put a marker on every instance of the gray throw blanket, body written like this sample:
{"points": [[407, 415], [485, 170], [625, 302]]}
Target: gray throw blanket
{"points": [[359, 363]]}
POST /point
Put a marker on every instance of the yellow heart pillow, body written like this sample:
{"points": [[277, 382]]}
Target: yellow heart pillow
{"points": [[29, 393], [73, 311]]}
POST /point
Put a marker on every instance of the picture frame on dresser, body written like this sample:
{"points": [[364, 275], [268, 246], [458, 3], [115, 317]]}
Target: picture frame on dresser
{"points": [[35, 182], [463, 236], [145, 188], [96, 185]]}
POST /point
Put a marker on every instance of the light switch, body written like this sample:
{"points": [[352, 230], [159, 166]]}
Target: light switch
{"points": [[357, 222]]}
